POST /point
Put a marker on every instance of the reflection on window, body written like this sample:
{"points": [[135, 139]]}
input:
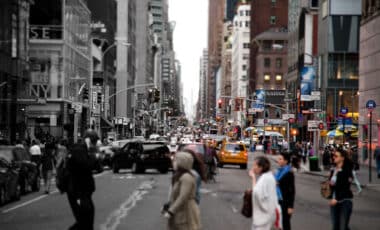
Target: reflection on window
{"points": [[343, 66]]}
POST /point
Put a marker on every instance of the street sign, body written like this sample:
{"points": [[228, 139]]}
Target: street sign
{"points": [[344, 110], [370, 105], [77, 106], [312, 125], [315, 95]]}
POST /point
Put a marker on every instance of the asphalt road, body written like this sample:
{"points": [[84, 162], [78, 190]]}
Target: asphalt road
{"points": [[126, 201]]}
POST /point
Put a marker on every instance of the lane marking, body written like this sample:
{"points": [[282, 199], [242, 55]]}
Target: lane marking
{"points": [[41, 197], [114, 219]]}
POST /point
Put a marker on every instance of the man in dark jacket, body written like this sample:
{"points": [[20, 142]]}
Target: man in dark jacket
{"points": [[80, 163]]}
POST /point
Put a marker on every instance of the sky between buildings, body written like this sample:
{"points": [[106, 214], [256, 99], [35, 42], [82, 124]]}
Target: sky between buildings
{"points": [[190, 38]]}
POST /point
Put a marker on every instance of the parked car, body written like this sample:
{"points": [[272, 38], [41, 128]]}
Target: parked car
{"points": [[29, 178], [10, 188], [140, 156], [233, 154]]}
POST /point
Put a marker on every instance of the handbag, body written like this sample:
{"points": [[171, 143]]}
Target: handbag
{"points": [[326, 189], [246, 210], [278, 222]]}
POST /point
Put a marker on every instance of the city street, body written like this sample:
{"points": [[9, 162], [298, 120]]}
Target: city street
{"points": [[126, 201]]}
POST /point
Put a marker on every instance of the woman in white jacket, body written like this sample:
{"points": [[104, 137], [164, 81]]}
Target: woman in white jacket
{"points": [[264, 196]]}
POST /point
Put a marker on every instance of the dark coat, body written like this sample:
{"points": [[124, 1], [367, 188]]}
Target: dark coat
{"points": [[80, 164], [342, 187], [288, 190]]}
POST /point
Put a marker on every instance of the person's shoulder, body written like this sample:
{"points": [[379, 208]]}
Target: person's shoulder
{"points": [[187, 177]]}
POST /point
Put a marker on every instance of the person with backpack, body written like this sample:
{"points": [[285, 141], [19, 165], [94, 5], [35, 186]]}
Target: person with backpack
{"points": [[81, 184]]}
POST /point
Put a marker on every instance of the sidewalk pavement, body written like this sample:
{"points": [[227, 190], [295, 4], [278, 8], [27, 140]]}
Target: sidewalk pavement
{"points": [[362, 174]]}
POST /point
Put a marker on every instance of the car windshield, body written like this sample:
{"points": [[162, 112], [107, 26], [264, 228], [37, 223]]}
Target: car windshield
{"points": [[234, 147]]}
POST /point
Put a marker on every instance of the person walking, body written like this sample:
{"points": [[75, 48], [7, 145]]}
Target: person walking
{"points": [[61, 153], [47, 163], [182, 211], [377, 157], [35, 153], [80, 164], [285, 188], [264, 197], [341, 199]]}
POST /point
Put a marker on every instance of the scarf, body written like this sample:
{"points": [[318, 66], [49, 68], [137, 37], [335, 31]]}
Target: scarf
{"points": [[279, 174]]}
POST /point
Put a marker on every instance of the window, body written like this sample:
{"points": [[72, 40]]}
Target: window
{"points": [[246, 45], [267, 77], [241, 24], [241, 13], [244, 67], [272, 20], [278, 77], [278, 63], [247, 24], [236, 23], [247, 13], [267, 62], [274, 3]]}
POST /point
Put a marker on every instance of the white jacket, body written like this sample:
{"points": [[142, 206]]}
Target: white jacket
{"points": [[264, 201]]}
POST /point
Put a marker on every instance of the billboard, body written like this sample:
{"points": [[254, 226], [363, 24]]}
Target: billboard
{"points": [[258, 105], [307, 82]]}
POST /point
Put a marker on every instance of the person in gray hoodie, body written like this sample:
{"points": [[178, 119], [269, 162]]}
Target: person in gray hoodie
{"points": [[182, 211]]}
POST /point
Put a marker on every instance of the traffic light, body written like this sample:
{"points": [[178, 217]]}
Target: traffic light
{"points": [[99, 98], [156, 95], [220, 103], [85, 94], [150, 95]]}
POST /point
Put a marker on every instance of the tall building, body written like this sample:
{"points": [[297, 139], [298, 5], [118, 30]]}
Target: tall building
{"points": [[240, 61], [264, 15], [226, 67], [14, 48], [369, 59], [203, 83], [60, 69], [126, 61], [103, 49], [338, 58], [215, 35]]}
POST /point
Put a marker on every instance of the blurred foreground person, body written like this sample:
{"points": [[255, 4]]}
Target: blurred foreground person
{"points": [[80, 164], [182, 210]]}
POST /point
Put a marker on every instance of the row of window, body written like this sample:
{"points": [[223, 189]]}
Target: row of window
{"points": [[268, 77], [245, 12], [242, 24], [267, 63]]}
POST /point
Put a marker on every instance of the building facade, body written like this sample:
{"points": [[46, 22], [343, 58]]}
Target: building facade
{"points": [[203, 86], [14, 48], [60, 69], [264, 15], [369, 85], [240, 61], [338, 61], [215, 36]]}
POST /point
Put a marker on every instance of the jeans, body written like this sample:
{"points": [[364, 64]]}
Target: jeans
{"points": [[340, 215], [84, 212]]}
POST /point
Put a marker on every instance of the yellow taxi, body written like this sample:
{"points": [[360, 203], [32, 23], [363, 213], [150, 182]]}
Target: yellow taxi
{"points": [[233, 153]]}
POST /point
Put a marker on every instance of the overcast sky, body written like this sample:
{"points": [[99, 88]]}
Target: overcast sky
{"points": [[190, 38]]}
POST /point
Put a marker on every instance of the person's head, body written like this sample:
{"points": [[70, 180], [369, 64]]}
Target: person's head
{"points": [[183, 160], [283, 159], [340, 156], [198, 164], [261, 165], [91, 137]]}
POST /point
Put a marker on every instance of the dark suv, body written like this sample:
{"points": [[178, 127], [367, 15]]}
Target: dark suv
{"points": [[140, 156]]}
